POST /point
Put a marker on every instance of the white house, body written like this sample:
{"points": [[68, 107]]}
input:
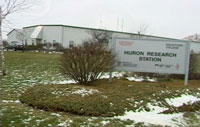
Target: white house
{"points": [[15, 35], [71, 35]]}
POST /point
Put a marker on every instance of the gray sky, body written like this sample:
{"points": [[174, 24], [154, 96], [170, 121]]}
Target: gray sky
{"points": [[167, 18]]}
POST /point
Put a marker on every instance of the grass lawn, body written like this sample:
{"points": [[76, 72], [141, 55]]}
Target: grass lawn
{"points": [[25, 70]]}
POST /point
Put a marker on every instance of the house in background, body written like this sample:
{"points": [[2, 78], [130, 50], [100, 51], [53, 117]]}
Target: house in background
{"points": [[14, 36], [69, 36]]}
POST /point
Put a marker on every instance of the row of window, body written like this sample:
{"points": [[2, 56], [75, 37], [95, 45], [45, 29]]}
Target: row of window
{"points": [[71, 43]]}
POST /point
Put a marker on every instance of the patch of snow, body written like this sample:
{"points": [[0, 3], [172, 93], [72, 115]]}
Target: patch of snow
{"points": [[111, 104], [114, 74], [55, 114], [179, 101], [121, 74], [85, 92], [49, 125], [152, 117], [38, 121], [151, 80], [57, 52], [65, 124], [137, 79], [140, 79], [64, 82], [105, 122], [10, 101]]}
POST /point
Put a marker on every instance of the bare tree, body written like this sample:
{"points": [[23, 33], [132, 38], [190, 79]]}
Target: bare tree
{"points": [[8, 7], [100, 36], [143, 28]]}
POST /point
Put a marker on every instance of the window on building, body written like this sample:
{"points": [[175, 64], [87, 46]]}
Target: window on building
{"points": [[71, 44], [33, 42], [55, 44], [45, 41], [85, 43], [26, 43]]}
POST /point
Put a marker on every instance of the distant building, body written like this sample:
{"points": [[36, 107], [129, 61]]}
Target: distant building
{"points": [[15, 35], [67, 36], [195, 37]]}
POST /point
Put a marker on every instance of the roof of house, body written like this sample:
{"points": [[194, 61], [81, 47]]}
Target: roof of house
{"points": [[19, 30]]}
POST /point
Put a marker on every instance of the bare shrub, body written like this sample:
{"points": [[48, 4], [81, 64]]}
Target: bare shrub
{"points": [[58, 46], [193, 75], [39, 46], [100, 36], [47, 46], [86, 63], [193, 63]]}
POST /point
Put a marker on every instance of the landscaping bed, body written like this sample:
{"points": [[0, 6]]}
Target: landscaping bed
{"points": [[106, 98]]}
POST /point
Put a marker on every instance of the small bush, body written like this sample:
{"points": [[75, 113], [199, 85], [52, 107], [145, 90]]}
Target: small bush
{"points": [[58, 47], [86, 63], [31, 47]]}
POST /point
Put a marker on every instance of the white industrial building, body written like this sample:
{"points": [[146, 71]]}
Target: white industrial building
{"points": [[69, 36]]}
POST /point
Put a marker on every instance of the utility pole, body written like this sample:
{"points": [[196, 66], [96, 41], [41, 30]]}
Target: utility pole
{"points": [[3, 68]]}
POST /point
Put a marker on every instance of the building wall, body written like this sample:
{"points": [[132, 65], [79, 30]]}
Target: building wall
{"points": [[13, 37], [74, 35], [28, 40], [195, 47], [67, 35], [52, 34]]}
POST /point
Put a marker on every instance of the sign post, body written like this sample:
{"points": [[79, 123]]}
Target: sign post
{"points": [[187, 63]]}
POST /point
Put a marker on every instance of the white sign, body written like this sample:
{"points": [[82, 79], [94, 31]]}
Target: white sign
{"points": [[156, 56]]}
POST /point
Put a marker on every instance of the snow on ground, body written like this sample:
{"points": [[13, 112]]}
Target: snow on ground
{"points": [[78, 90], [184, 99], [154, 116], [130, 78], [105, 122], [138, 79], [66, 123], [64, 82], [10, 101], [85, 92], [106, 76], [114, 74]]}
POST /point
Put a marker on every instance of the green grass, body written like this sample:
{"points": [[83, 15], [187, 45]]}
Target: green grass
{"points": [[25, 70]]}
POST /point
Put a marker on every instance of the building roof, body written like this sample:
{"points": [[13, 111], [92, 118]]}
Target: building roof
{"points": [[99, 29], [19, 30], [79, 27]]}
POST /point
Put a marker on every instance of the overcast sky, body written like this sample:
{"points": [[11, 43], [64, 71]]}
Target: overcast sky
{"points": [[167, 18]]}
